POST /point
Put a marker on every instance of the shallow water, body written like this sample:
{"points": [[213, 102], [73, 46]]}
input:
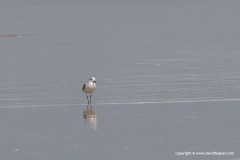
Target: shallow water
{"points": [[167, 72], [150, 131]]}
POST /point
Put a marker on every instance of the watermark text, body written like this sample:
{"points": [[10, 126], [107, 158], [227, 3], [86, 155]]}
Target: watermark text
{"points": [[204, 153]]}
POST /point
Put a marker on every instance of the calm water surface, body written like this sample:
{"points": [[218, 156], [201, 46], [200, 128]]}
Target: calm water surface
{"points": [[167, 72]]}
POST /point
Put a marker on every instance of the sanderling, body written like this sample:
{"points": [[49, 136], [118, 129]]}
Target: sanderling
{"points": [[89, 87]]}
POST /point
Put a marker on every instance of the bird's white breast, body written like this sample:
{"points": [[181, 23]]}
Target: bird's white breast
{"points": [[89, 87]]}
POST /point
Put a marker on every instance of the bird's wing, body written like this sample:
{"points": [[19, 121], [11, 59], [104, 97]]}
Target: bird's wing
{"points": [[83, 87]]}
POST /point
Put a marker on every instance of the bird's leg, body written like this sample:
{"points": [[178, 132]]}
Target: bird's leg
{"points": [[87, 99], [91, 100]]}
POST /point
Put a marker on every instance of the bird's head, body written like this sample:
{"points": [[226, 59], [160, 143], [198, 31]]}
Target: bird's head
{"points": [[93, 79]]}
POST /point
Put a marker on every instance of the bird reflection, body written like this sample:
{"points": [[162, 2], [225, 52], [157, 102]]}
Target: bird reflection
{"points": [[90, 117]]}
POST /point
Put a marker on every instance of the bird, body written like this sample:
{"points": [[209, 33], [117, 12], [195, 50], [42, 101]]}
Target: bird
{"points": [[89, 87]]}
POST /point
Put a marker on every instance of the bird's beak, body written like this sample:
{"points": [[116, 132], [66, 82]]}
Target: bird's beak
{"points": [[95, 82]]}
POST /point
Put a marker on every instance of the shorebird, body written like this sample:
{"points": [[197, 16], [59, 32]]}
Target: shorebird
{"points": [[89, 87]]}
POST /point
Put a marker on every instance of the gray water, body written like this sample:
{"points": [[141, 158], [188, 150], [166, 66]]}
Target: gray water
{"points": [[167, 79]]}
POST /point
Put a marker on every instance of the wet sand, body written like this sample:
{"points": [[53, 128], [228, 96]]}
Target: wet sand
{"points": [[167, 72], [120, 131]]}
